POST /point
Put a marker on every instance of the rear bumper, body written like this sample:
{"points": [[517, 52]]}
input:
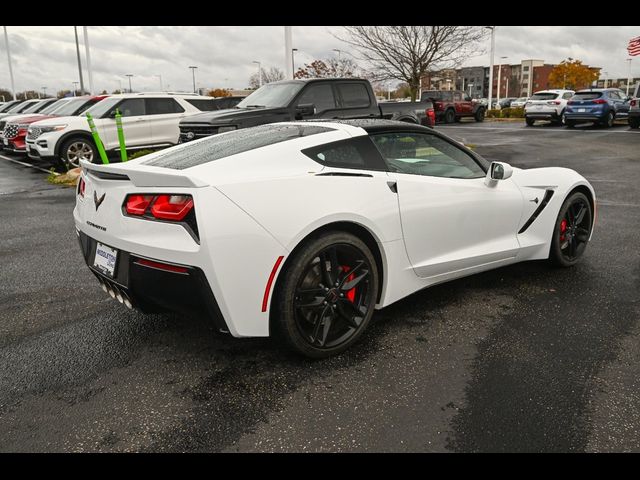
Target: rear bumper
{"points": [[550, 115], [152, 289], [585, 117]]}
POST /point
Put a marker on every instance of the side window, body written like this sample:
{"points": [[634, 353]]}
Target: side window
{"points": [[131, 107], [354, 95], [447, 97], [457, 97], [321, 95], [615, 96], [86, 106], [161, 106], [567, 96], [425, 154], [356, 153]]}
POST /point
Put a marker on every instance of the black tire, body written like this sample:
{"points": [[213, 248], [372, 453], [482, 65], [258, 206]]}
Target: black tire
{"points": [[571, 231], [318, 320], [529, 121], [75, 148], [449, 116], [634, 122], [607, 122], [479, 116], [569, 123], [561, 119]]}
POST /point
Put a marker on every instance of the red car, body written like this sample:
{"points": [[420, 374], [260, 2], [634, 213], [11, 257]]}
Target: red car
{"points": [[13, 137]]}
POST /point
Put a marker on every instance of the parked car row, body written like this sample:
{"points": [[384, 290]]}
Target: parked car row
{"points": [[601, 106], [56, 130]]}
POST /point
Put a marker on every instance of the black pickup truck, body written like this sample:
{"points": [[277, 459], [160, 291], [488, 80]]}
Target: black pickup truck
{"points": [[326, 98]]}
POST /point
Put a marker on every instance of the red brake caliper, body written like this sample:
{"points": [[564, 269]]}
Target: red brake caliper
{"points": [[351, 294], [563, 229]]}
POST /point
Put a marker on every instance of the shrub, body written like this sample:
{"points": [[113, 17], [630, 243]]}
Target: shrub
{"points": [[512, 113], [494, 113], [141, 153]]}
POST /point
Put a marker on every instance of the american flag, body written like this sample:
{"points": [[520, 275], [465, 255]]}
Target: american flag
{"points": [[634, 46]]}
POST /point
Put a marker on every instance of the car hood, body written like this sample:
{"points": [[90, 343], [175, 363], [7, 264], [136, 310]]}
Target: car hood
{"points": [[228, 116], [28, 119], [53, 120]]}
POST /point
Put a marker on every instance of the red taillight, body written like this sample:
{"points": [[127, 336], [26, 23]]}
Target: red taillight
{"points": [[163, 207], [162, 266], [431, 115], [571, 102], [634, 103], [171, 207], [81, 186], [138, 204], [600, 101]]}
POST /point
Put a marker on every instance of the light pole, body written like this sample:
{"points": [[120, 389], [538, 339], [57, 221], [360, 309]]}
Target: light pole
{"points": [[628, 75], [259, 73], [293, 62], [288, 43], [44, 92], [339, 60], [86, 48], [493, 44], [193, 74], [6, 42], [606, 79], [129, 75], [75, 29], [500, 78], [75, 87], [160, 77]]}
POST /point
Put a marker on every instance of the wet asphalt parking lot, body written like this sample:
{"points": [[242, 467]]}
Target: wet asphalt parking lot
{"points": [[524, 358]]}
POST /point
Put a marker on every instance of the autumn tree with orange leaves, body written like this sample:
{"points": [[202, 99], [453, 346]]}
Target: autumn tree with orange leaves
{"points": [[573, 75]]}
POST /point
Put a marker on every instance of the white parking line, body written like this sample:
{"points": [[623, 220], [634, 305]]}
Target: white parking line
{"points": [[27, 164]]}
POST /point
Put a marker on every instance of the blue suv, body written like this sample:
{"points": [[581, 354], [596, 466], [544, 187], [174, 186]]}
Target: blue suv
{"points": [[598, 105]]}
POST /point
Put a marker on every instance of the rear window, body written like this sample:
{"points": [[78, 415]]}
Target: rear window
{"points": [[202, 105], [587, 96], [232, 143], [354, 95], [544, 96], [435, 95]]}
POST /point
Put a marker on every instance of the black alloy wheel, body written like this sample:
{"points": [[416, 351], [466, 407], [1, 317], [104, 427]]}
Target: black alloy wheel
{"points": [[328, 295], [572, 230]]}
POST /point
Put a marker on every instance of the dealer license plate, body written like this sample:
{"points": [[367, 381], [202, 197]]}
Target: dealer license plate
{"points": [[105, 259]]}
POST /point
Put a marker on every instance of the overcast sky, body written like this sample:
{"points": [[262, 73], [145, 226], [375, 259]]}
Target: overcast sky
{"points": [[46, 56]]}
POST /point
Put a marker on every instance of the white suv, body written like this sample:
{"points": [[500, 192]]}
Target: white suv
{"points": [[547, 105], [149, 120]]}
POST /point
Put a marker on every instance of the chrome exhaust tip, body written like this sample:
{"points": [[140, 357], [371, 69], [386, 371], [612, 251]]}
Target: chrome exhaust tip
{"points": [[112, 293]]}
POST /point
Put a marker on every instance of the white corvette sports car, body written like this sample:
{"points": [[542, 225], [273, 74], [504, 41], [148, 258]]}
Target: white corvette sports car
{"points": [[302, 229]]}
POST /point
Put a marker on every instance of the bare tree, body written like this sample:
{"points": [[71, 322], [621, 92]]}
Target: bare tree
{"points": [[406, 53], [331, 67], [274, 74]]}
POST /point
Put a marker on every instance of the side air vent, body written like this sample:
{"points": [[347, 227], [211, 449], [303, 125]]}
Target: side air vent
{"points": [[547, 196]]}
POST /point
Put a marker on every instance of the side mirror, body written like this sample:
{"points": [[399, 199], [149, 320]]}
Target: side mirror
{"points": [[306, 110], [498, 171]]}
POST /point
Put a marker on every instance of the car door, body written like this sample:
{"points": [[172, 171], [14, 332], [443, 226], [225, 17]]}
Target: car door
{"points": [[163, 116], [451, 220], [621, 104], [136, 128]]}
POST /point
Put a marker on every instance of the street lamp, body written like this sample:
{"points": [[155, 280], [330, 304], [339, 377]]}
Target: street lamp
{"points": [[129, 75], [44, 92], [259, 73], [6, 43], [493, 44], [193, 73], [606, 79], [293, 61], [499, 78]]}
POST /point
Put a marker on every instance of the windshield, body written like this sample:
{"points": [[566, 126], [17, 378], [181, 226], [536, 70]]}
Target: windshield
{"points": [[33, 108], [20, 107], [103, 107], [272, 95], [64, 109], [7, 107], [51, 107], [544, 96]]}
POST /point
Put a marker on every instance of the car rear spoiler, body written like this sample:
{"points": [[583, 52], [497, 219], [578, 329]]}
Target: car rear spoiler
{"points": [[142, 175]]}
